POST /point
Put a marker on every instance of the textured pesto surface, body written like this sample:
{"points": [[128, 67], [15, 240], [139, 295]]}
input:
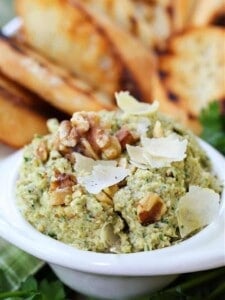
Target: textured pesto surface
{"points": [[87, 222]]}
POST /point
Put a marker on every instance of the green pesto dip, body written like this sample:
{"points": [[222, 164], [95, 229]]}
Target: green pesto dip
{"points": [[53, 199]]}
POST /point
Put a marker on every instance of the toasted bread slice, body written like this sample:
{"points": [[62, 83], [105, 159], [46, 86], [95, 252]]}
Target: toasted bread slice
{"points": [[141, 64], [90, 45], [20, 117], [207, 12], [194, 71], [183, 11], [50, 82], [71, 38], [149, 21]]}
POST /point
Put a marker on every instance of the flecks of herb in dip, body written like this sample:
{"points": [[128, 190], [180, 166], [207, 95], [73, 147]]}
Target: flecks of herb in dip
{"points": [[124, 181]]}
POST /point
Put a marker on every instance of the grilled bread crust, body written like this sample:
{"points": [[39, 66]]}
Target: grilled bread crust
{"points": [[207, 12], [194, 70], [20, 117], [183, 11], [96, 54], [130, 65], [49, 81], [151, 22]]}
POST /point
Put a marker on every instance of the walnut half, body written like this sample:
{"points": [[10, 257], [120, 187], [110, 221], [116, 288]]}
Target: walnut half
{"points": [[60, 187], [150, 209]]}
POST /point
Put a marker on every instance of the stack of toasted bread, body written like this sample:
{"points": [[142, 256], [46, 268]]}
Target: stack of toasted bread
{"points": [[75, 54]]}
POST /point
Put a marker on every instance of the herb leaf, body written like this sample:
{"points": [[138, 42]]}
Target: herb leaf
{"points": [[32, 290], [213, 123]]}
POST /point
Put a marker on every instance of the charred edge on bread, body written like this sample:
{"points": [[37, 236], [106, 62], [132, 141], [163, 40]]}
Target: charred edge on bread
{"points": [[98, 28], [170, 10], [38, 105], [22, 51], [192, 117], [172, 97], [219, 20], [162, 74], [12, 44], [134, 25], [127, 82]]}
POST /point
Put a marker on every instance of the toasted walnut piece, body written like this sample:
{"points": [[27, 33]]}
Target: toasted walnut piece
{"points": [[104, 199], [123, 162], [102, 139], [58, 196], [93, 118], [67, 134], [64, 129], [111, 190], [78, 191], [158, 130], [86, 135], [87, 149], [125, 137], [62, 181], [42, 151], [61, 187], [113, 150], [150, 209], [80, 121]]}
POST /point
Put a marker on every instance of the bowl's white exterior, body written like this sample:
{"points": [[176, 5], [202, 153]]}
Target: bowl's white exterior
{"points": [[112, 276], [111, 287]]}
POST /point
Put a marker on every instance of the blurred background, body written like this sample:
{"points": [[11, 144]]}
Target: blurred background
{"points": [[6, 11]]}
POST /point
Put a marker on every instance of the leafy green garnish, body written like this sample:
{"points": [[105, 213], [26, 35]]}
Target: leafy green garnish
{"points": [[195, 286], [213, 123], [32, 290]]}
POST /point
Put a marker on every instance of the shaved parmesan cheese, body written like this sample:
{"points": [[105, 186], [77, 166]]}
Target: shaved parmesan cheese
{"points": [[157, 161], [166, 147], [97, 175], [85, 164], [196, 209], [131, 106], [143, 126], [102, 177], [157, 152], [137, 156]]}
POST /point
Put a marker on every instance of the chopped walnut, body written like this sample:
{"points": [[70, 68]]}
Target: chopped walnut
{"points": [[158, 130], [42, 151], [86, 148], [111, 190], [85, 134], [113, 150], [150, 209], [58, 197], [62, 180], [61, 187], [67, 134], [104, 199], [125, 136], [123, 162], [80, 122]]}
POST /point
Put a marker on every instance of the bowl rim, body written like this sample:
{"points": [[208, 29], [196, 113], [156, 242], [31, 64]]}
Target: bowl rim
{"points": [[204, 250]]}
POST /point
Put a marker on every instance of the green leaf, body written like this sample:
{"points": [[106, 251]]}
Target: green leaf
{"points": [[31, 290], [52, 290], [213, 123], [4, 284], [29, 285]]}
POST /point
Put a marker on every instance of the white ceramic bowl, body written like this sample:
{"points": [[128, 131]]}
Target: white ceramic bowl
{"points": [[112, 276]]}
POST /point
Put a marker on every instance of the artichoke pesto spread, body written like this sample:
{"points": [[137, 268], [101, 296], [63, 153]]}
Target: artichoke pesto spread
{"points": [[123, 181]]}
